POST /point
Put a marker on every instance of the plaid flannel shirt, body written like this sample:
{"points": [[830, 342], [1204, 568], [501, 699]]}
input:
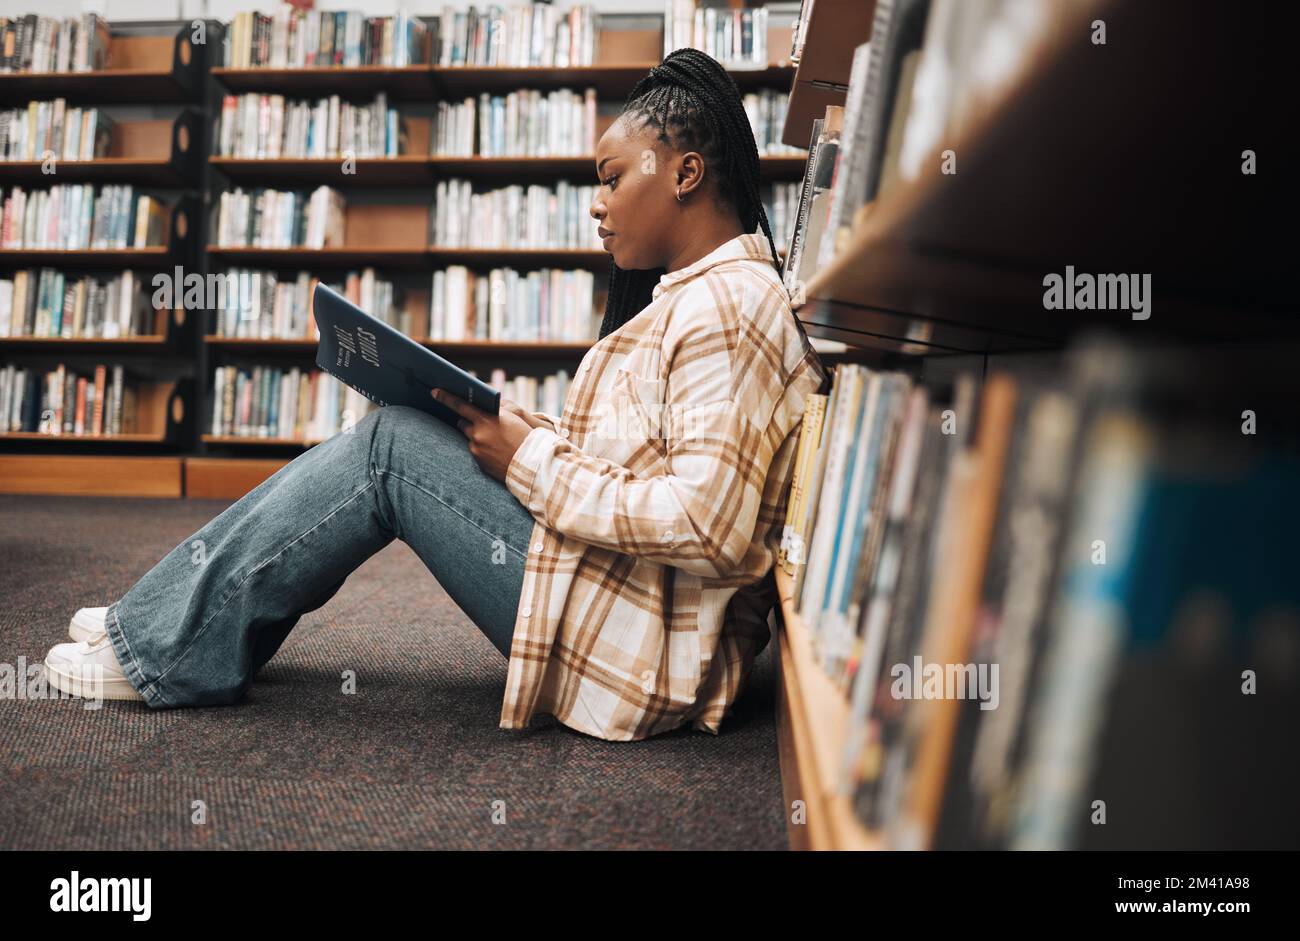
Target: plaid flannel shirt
{"points": [[659, 497]]}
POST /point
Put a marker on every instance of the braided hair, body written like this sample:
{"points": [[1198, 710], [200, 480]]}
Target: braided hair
{"points": [[694, 105]]}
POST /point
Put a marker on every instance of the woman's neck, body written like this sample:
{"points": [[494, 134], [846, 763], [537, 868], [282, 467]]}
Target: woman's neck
{"points": [[702, 240]]}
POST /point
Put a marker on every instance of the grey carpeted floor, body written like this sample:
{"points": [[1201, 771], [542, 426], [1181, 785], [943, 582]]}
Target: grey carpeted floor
{"points": [[413, 760]]}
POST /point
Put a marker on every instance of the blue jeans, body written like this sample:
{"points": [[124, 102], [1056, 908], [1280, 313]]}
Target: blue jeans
{"points": [[200, 624]]}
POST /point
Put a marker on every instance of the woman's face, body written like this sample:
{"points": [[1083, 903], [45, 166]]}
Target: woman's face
{"points": [[636, 202]]}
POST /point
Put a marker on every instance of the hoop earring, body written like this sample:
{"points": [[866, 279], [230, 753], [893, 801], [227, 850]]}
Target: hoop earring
{"points": [[679, 196]]}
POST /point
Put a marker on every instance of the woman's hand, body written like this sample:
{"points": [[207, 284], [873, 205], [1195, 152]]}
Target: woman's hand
{"points": [[517, 409], [493, 439]]}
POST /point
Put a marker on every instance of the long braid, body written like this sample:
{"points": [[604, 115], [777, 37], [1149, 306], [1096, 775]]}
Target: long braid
{"points": [[695, 105]]}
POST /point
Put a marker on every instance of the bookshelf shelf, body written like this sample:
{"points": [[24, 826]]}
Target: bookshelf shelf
{"points": [[140, 68], [259, 442], [142, 438], [813, 718], [409, 170], [370, 171], [386, 256], [596, 258], [159, 172], [430, 82], [154, 257], [405, 83], [148, 344], [459, 347]]}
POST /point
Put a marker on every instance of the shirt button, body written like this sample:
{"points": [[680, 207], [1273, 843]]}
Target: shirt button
{"points": [[564, 432], [526, 611], [668, 536], [537, 547]]}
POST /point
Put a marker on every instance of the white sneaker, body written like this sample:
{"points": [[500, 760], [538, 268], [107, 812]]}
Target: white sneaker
{"points": [[86, 623], [88, 669]]}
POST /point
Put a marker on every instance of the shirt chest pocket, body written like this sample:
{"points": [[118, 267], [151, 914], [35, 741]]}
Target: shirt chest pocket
{"points": [[634, 423]]}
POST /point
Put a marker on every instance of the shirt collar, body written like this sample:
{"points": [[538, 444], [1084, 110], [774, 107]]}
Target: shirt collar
{"points": [[751, 245]]}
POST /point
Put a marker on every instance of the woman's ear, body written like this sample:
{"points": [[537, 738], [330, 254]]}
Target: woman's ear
{"points": [[690, 173]]}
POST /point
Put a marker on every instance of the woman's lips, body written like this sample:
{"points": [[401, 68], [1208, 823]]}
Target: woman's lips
{"points": [[605, 241]]}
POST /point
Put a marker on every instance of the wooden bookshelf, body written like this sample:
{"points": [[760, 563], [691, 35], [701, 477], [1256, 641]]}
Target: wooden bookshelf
{"points": [[144, 67], [140, 68], [91, 475], [946, 263], [834, 29], [812, 722], [221, 478], [167, 327], [253, 441], [162, 152], [180, 228], [161, 413]]}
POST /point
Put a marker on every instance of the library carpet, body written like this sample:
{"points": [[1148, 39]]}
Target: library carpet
{"points": [[413, 760]]}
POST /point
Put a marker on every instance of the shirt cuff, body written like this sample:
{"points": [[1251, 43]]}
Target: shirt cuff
{"points": [[527, 461]]}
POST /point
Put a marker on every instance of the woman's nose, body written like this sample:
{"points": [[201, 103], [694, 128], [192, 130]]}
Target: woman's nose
{"points": [[597, 210]]}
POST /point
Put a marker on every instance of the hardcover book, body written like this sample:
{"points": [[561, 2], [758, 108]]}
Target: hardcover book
{"points": [[387, 366]]}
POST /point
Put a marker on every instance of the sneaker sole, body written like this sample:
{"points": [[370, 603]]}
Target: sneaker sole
{"points": [[75, 684]]}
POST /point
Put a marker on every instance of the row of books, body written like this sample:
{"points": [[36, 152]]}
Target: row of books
{"points": [[292, 38], [62, 401], [35, 43], [52, 128], [268, 218], [1002, 581], [46, 302], [959, 54], [515, 216], [267, 126], [520, 35], [524, 123], [273, 402], [550, 304], [735, 37], [310, 405], [79, 216], [261, 305], [766, 110]]}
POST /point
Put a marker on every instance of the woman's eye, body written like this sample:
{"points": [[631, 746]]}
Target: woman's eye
{"points": [[610, 182]]}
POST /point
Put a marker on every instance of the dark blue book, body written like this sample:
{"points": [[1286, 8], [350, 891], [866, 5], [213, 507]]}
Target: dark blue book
{"points": [[387, 366]]}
